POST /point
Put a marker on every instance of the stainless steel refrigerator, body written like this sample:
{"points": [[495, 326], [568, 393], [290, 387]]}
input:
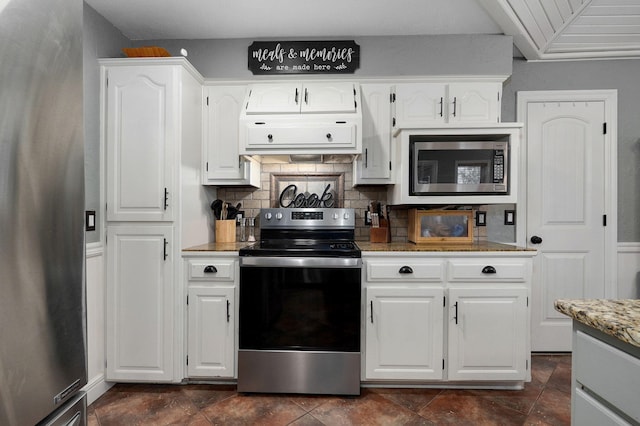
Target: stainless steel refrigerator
{"points": [[42, 296]]}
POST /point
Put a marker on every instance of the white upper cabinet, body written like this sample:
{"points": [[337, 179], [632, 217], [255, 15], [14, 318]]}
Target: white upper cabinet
{"points": [[140, 158], [222, 163], [374, 165], [294, 98], [433, 104]]}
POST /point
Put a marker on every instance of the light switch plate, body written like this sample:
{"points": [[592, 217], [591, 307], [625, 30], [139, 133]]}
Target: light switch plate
{"points": [[481, 218], [509, 217], [90, 220]]}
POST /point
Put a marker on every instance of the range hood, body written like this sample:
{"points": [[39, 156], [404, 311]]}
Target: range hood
{"points": [[301, 118]]}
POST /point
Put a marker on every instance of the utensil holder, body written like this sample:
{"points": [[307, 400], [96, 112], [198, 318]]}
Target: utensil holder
{"points": [[226, 231]]}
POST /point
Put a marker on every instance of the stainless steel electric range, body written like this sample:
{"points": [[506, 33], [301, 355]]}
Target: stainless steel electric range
{"points": [[300, 304]]}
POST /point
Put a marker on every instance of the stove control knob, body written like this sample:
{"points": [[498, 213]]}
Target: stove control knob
{"points": [[335, 216], [346, 216], [267, 216], [279, 216]]}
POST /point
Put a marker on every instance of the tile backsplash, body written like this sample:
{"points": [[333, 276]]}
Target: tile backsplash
{"points": [[357, 198]]}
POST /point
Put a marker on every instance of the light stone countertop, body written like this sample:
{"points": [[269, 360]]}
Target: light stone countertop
{"points": [[478, 246], [617, 318]]}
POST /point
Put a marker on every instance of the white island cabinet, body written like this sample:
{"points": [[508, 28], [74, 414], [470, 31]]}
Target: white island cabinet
{"points": [[449, 317], [152, 130]]}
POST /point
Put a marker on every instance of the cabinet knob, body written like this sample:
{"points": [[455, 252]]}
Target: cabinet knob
{"points": [[209, 269], [536, 240], [488, 270], [328, 135], [405, 270], [270, 137]]}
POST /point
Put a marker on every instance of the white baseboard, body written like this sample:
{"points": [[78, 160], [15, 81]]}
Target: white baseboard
{"points": [[96, 387], [629, 270]]}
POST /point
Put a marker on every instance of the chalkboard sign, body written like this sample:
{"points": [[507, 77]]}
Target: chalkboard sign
{"points": [[304, 57]]}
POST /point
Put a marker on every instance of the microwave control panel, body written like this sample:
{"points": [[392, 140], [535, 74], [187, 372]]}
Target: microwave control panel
{"points": [[498, 166]]}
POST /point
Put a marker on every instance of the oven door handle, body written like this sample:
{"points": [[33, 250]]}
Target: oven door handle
{"points": [[300, 262]]}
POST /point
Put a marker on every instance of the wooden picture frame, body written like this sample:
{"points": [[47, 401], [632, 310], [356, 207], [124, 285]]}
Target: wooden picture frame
{"points": [[440, 226]]}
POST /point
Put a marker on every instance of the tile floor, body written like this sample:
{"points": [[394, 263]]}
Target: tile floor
{"points": [[544, 401]]}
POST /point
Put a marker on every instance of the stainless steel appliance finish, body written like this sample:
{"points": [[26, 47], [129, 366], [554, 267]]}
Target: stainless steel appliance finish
{"points": [[466, 167], [42, 314], [300, 304]]}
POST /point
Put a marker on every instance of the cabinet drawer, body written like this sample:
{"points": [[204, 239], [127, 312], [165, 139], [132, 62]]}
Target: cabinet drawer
{"points": [[323, 134], [405, 271], [489, 269], [589, 411], [212, 269], [608, 372]]}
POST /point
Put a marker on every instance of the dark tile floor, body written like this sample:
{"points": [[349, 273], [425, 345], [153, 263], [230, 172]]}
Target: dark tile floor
{"points": [[544, 401]]}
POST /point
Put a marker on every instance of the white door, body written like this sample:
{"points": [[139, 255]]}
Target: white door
{"points": [[374, 165], [566, 207], [211, 341], [404, 333], [140, 304], [140, 138], [487, 333]]}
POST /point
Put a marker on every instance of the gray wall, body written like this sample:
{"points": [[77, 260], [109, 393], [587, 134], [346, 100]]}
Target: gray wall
{"points": [[461, 54], [623, 75], [379, 56], [100, 40]]}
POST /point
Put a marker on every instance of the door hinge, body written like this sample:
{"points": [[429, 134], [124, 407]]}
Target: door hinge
{"points": [[393, 122], [390, 168], [604, 220], [444, 301], [527, 301], [392, 97], [207, 101], [526, 362], [498, 96], [604, 128], [207, 166], [187, 359], [187, 299], [443, 363]]}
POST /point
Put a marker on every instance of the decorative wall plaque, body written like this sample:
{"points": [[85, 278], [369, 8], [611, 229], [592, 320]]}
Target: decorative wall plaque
{"points": [[307, 190], [304, 57]]}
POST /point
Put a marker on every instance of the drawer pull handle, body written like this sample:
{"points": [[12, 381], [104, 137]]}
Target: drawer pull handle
{"points": [[209, 269], [406, 270], [489, 270]]}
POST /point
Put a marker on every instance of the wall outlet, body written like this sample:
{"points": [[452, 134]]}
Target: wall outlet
{"points": [[481, 218]]}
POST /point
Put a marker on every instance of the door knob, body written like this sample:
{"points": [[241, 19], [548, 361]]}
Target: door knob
{"points": [[536, 240]]}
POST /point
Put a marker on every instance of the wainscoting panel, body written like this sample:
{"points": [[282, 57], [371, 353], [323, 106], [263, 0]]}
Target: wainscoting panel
{"points": [[629, 270]]}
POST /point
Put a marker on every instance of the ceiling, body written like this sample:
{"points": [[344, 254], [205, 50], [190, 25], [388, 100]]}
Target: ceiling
{"points": [[542, 29]]}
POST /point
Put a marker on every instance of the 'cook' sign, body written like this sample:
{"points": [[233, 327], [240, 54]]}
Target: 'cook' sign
{"points": [[304, 57]]}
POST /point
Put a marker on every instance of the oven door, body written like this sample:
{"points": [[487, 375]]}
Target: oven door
{"points": [[299, 325]]}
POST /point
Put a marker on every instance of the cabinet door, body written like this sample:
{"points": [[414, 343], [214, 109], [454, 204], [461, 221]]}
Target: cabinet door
{"points": [[474, 102], [328, 98], [140, 303], [141, 133], [404, 336], [274, 98], [487, 334], [420, 104], [374, 165], [222, 162], [211, 341]]}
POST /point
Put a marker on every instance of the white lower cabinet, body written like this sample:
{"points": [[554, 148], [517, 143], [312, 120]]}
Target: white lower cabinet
{"points": [[486, 333], [446, 319], [211, 317], [404, 333], [140, 303]]}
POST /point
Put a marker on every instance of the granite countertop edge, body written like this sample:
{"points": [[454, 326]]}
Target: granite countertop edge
{"points": [[479, 246], [618, 318]]}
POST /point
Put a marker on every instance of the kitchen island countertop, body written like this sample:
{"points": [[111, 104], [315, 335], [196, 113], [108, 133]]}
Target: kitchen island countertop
{"points": [[617, 318]]}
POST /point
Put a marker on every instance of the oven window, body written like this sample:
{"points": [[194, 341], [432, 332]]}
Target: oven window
{"points": [[312, 309]]}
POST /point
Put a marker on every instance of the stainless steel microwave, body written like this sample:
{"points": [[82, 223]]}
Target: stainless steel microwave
{"points": [[450, 167]]}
